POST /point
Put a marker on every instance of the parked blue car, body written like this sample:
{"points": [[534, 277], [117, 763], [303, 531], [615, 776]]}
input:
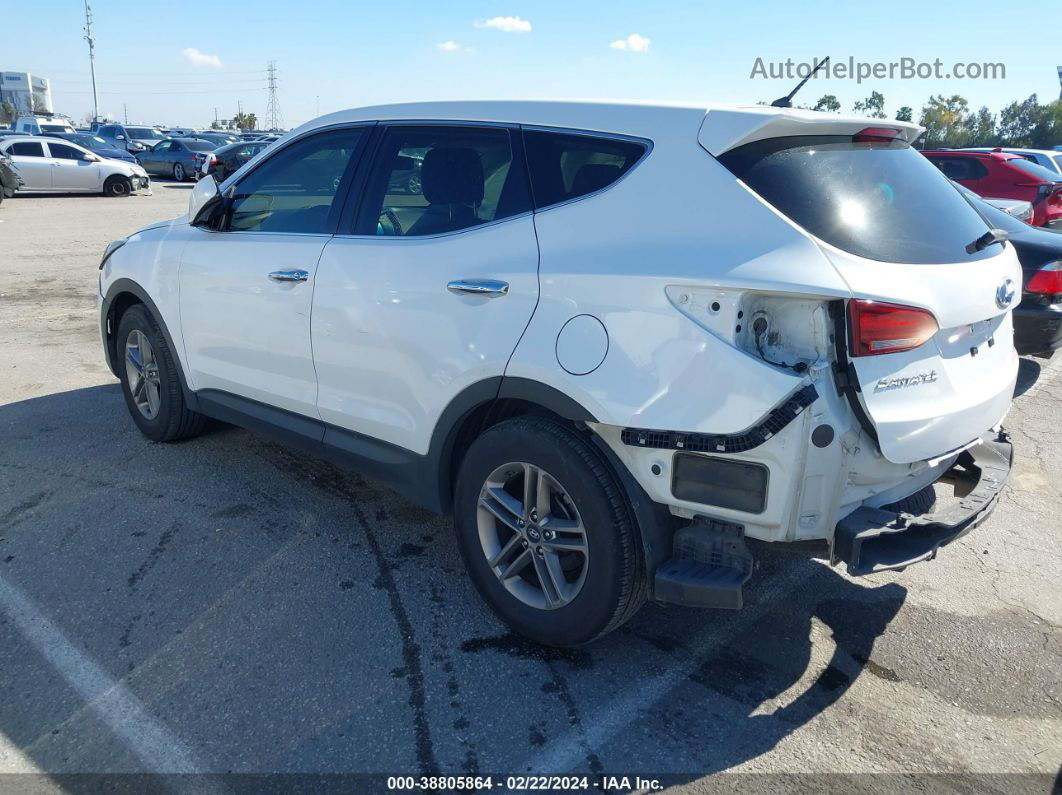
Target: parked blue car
{"points": [[96, 144]]}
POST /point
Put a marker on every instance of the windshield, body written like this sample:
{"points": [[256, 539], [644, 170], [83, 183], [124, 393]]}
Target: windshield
{"points": [[92, 142], [993, 216], [879, 200], [146, 133], [55, 128], [1035, 169]]}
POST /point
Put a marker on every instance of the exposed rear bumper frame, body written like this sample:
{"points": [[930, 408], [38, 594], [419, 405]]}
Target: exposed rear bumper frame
{"points": [[870, 540]]}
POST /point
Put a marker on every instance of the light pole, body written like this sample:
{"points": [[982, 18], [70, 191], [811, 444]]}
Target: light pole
{"points": [[92, 59]]}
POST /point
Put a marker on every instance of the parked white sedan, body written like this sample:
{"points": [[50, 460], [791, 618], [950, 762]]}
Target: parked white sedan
{"points": [[46, 164]]}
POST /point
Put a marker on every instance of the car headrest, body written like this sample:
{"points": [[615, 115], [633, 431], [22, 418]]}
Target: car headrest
{"points": [[594, 176], [452, 175]]}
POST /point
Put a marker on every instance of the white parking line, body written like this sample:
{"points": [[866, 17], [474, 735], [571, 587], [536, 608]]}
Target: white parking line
{"points": [[153, 744]]}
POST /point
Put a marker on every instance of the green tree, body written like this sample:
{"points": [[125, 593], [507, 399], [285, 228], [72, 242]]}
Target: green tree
{"points": [[1048, 129], [944, 120], [981, 127], [905, 113], [873, 106], [8, 114], [828, 103], [245, 121], [1017, 122]]}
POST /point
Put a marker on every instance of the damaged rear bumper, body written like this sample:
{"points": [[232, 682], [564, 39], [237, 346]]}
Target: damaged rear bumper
{"points": [[869, 540]]}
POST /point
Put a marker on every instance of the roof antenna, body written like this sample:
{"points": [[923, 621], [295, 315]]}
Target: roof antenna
{"points": [[787, 100]]}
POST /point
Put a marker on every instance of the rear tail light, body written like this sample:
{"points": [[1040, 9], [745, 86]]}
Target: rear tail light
{"points": [[1047, 280], [879, 328]]}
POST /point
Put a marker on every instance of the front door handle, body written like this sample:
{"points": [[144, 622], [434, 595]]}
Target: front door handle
{"points": [[478, 287], [289, 276]]}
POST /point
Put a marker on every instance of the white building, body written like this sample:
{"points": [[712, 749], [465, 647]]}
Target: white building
{"points": [[27, 93]]}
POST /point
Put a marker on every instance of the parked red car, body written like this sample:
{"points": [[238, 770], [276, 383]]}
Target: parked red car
{"points": [[1001, 175]]}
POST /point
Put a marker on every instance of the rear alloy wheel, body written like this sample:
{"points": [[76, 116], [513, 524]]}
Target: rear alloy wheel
{"points": [[178, 172], [116, 186], [546, 533]]}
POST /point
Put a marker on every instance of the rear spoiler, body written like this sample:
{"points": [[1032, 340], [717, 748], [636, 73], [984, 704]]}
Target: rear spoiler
{"points": [[724, 129]]}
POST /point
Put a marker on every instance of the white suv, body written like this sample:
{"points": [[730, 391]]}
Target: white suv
{"points": [[613, 340]]}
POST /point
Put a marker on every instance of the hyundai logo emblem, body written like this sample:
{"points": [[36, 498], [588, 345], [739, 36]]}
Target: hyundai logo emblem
{"points": [[1005, 293]]}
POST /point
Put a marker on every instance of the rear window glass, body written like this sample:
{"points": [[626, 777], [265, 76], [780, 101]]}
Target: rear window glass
{"points": [[565, 166], [1035, 169], [879, 200], [198, 145]]}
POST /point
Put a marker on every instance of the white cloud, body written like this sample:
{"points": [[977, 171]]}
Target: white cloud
{"points": [[449, 46], [197, 58], [633, 43], [505, 24]]}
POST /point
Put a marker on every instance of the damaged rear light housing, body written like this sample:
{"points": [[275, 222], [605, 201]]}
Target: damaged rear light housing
{"points": [[879, 328]]}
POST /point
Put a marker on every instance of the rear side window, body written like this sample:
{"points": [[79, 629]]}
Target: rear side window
{"points": [[960, 168], [435, 179], [26, 149], [566, 166], [880, 200]]}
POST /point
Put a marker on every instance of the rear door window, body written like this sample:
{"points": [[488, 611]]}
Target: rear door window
{"points": [[565, 166], [433, 179], [881, 200], [960, 168], [26, 149]]}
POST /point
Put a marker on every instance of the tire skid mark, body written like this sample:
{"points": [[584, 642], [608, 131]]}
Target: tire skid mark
{"points": [[14, 514], [332, 481], [153, 556], [470, 765]]}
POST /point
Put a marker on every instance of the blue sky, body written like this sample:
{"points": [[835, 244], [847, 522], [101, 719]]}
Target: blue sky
{"points": [[173, 63]]}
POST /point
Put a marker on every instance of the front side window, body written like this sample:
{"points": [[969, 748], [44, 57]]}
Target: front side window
{"points": [[26, 149], [294, 191], [107, 131], [162, 147], [882, 200], [64, 152], [565, 166], [433, 179]]}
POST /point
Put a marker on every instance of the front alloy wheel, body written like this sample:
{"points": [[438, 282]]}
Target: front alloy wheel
{"points": [[532, 536], [142, 372]]}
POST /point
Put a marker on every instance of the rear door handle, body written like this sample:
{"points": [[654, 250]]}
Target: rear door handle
{"points": [[478, 287], [289, 276]]}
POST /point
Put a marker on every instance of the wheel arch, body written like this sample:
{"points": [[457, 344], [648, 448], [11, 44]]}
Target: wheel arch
{"points": [[121, 295]]}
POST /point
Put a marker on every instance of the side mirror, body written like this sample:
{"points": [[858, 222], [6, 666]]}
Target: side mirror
{"points": [[205, 190], [119, 137], [89, 158]]}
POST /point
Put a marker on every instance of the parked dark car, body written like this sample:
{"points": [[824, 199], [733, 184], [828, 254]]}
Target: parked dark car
{"points": [[96, 144], [226, 160], [10, 181], [1038, 318], [180, 158]]}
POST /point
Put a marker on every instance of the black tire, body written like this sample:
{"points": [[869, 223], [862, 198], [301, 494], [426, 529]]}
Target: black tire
{"points": [[174, 420], [117, 186], [615, 582], [179, 173], [921, 502]]}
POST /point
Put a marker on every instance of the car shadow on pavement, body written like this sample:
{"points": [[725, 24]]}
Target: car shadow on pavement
{"points": [[240, 591], [1028, 375]]}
